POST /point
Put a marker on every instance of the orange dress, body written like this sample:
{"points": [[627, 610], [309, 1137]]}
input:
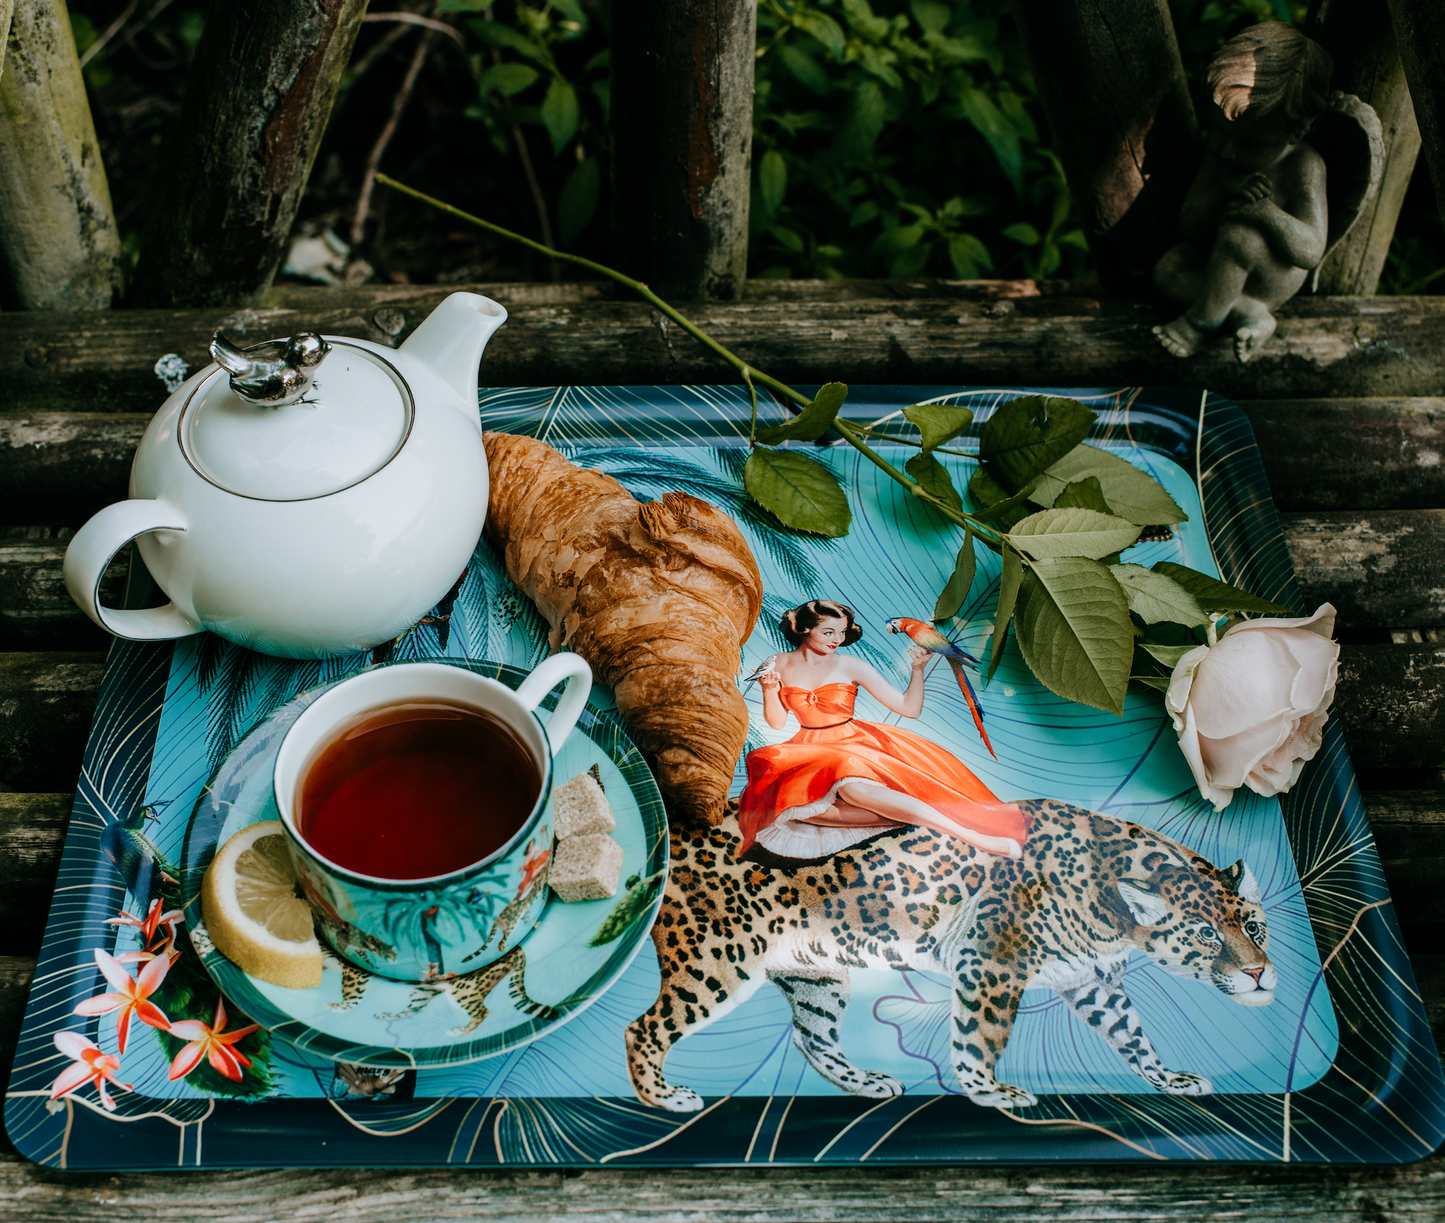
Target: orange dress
{"points": [[790, 782]]}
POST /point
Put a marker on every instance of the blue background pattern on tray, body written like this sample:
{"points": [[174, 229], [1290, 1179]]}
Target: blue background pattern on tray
{"points": [[214, 692]]}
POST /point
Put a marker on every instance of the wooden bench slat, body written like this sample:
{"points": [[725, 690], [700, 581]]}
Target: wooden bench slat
{"points": [[1388, 702], [103, 360]]}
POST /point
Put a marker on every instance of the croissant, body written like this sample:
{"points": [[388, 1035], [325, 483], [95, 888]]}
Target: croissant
{"points": [[658, 597]]}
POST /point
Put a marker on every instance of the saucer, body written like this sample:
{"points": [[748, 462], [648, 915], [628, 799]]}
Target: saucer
{"points": [[572, 955]]}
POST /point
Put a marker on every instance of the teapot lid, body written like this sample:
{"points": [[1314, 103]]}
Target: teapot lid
{"points": [[282, 428]]}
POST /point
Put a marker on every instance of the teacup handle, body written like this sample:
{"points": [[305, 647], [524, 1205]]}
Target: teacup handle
{"points": [[570, 667]]}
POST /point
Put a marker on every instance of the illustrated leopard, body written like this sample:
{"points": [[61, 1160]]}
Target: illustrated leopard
{"points": [[1089, 890]]}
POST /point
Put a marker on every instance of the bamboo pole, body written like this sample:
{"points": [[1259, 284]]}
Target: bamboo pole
{"points": [[1360, 38], [58, 238], [681, 128], [260, 93], [1113, 89]]}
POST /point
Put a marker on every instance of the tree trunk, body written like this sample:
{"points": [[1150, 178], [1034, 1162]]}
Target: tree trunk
{"points": [[57, 230], [1420, 30], [260, 93], [1361, 40], [682, 131], [1112, 86]]}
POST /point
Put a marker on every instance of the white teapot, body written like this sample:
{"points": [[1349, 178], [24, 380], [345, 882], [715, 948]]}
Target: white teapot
{"points": [[306, 497]]}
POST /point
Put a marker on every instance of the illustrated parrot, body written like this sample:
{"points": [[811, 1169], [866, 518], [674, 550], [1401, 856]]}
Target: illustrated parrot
{"points": [[926, 637], [768, 664]]}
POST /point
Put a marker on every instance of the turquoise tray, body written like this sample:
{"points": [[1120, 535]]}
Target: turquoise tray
{"points": [[1340, 1068]]}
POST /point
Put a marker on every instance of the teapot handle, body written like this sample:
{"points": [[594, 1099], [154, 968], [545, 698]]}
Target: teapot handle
{"points": [[92, 549]]}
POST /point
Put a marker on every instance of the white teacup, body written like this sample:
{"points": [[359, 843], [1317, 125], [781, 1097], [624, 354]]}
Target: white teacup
{"points": [[442, 925]]}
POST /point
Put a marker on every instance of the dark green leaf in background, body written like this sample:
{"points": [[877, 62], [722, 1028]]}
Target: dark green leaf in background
{"points": [[773, 179], [1028, 435], [997, 504], [813, 421], [799, 492], [938, 422], [1073, 629], [560, 113], [578, 202], [495, 34], [955, 591], [507, 79], [1008, 591], [1217, 596], [932, 477]]}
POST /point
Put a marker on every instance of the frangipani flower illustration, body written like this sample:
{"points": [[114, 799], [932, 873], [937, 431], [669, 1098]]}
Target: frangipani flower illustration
{"points": [[212, 1042], [153, 921], [91, 1065], [130, 996]]}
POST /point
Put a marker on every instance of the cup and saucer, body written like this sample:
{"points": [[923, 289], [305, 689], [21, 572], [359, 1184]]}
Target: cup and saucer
{"points": [[513, 984]]}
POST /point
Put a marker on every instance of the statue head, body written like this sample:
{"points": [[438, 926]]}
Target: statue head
{"points": [[1268, 85]]}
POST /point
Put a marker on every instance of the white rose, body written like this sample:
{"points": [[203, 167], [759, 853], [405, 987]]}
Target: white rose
{"points": [[1249, 710]]}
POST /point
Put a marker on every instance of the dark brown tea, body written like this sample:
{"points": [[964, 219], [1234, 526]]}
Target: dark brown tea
{"points": [[415, 790]]}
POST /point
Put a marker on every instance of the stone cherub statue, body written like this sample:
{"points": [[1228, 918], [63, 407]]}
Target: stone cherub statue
{"points": [[1288, 168]]}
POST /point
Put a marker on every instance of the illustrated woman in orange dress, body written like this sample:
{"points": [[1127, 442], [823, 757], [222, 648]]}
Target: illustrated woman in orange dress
{"points": [[839, 780]]}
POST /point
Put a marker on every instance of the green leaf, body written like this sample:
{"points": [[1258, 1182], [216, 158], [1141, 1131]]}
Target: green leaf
{"points": [[822, 27], [1074, 631], [960, 582], [560, 113], [1008, 593], [1085, 494], [1022, 232], [991, 123], [932, 15], [578, 202], [1131, 493], [860, 129], [1154, 597], [813, 421], [799, 492], [1169, 655], [1072, 532], [932, 477], [1030, 434], [938, 422], [969, 256], [463, 6], [805, 69], [1217, 596], [998, 504], [507, 79], [773, 179], [1159, 682], [896, 241], [495, 34]]}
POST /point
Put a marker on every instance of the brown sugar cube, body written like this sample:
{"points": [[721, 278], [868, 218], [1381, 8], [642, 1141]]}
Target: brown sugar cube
{"points": [[580, 807], [586, 868]]}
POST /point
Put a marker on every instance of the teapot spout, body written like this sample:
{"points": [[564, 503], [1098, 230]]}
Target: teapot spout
{"points": [[452, 337]]}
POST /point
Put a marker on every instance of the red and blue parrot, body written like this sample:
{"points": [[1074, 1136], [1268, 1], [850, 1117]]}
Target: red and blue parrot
{"points": [[926, 637]]}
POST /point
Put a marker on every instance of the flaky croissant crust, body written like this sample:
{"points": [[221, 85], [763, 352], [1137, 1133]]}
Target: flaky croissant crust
{"points": [[657, 596]]}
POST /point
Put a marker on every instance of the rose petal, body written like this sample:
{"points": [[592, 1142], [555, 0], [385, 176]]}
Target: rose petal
{"points": [[1230, 760], [1241, 685], [1322, 623], [1189, 744]]}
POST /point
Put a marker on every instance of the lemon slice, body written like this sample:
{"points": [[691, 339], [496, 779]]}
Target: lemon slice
{"points": [[253, 914]]}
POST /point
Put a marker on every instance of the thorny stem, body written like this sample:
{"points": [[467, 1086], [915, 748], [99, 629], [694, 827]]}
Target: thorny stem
{"points": [[851, 433]]}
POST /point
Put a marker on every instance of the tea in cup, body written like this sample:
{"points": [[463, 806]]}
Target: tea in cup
{"points": [[414, 801]]}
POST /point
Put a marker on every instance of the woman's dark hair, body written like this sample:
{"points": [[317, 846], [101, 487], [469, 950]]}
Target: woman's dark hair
{"points": [[801, 621]]}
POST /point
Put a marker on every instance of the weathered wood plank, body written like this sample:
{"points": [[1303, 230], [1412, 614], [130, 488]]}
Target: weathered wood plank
{"points": [[46, 704], [1352, 454], [680, 123], [36, 610], [1380, 570], [1319, 454], [1325, 346], [32, 835]]}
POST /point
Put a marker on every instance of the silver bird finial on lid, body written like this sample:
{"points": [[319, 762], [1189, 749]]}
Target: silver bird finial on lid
{"points": [[273, 374]]}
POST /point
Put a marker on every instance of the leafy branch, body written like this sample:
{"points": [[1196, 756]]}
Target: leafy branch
{"points": [[1059, 512]]}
